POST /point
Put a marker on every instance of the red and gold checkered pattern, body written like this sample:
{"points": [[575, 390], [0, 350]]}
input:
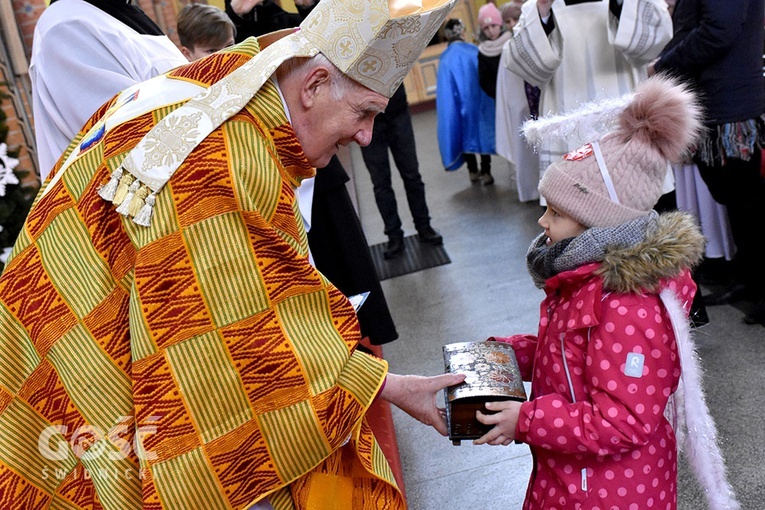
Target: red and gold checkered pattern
{"points": [[198, 363]]}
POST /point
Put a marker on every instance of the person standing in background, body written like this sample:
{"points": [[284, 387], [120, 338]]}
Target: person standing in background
{"points": [[465, 112], [494, 34], [517, 101], [204, 29], [258, 17], [718, 47], [492, 37], [393, 134], [84, 52]]}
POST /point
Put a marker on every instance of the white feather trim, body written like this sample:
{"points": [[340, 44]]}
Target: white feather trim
{"points": [[587, 123], [700, 446]]}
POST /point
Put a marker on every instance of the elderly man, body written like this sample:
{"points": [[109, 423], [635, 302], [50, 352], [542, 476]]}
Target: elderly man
{"points": [[164, 340]]}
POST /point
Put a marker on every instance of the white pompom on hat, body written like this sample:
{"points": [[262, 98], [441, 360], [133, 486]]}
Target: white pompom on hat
{"points": [[619, 178]]}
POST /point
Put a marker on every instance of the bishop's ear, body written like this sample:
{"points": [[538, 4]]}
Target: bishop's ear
{"points": [[316, 81]]}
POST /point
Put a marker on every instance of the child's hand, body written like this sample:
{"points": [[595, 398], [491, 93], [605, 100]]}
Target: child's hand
{"points": [[505, 419]]}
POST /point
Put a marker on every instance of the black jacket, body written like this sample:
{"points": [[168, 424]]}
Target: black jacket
{"points": [[718, 45], [265, 18], [341, 252], [488, 68]]}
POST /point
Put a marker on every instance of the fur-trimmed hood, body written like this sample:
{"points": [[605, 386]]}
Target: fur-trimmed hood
{"points": [[671, 245]]}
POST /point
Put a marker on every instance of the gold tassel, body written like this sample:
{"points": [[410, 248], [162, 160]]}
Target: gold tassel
{"points": [[143, 217], [107, 190], [125, 182], [137, 202], [123, 208]]}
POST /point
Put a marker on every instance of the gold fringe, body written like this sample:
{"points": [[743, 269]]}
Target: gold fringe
{"points": [[137, 202], [123, 207], [125, 182]]}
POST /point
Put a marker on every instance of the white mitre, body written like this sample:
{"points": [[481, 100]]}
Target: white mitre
{"points": [[375, 42]]}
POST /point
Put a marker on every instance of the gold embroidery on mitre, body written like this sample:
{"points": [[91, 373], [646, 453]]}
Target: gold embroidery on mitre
{"points": [[359, 38]]}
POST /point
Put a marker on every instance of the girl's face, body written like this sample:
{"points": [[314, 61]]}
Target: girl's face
{"points": [[491, 32], [558, 225]]}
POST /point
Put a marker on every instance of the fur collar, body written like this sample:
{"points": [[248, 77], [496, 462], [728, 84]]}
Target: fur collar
{"points": [[671, 245]]}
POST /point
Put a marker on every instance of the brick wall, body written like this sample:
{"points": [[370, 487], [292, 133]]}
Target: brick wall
{"points": [[26, 13]]}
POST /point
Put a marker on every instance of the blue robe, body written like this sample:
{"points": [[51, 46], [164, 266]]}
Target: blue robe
{"points": [[465, 111]]}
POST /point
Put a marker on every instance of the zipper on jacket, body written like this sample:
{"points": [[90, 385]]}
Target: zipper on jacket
{"points": [[584, 479], [565, 367]]}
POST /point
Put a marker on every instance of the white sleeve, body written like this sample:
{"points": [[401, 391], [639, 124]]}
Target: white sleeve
{"points": [[79, 65], [530, 53], [642, 31]]}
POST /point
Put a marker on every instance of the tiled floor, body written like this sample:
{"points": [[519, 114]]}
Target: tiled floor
{"points": [[486, 290]]}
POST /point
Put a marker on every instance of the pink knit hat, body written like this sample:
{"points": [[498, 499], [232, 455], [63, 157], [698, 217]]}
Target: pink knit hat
{"points": [[489, 15], [619, 178]]}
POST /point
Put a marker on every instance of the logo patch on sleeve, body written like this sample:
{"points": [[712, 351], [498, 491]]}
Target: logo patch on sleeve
{"points": [[634, 365]]}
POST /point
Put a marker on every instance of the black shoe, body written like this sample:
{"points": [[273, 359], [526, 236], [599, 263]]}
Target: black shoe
{"points": [[430, 236], [395, 247], [733, 293], [757, 314]]}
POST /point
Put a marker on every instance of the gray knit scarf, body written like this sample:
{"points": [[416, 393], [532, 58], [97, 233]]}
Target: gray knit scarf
{"points": [[544, 261]]}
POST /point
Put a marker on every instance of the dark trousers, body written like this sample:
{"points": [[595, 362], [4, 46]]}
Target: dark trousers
{"points": [[740, 188], [395, 133], [472, 163]]}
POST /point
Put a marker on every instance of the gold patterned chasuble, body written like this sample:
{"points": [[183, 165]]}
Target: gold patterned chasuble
{"points": [[200, 362]]}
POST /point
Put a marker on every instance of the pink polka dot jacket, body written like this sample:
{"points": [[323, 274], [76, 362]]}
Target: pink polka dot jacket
{"points": [[605, 361]]}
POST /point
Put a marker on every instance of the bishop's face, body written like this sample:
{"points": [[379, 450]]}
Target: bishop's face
{"points": [[330, 123]]}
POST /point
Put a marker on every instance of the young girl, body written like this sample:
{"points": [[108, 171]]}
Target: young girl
{"points": [[493, 36], [613, 345]]}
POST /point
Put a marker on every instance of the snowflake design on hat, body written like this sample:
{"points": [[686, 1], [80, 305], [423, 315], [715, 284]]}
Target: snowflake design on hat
{"points": [[7, 164]]}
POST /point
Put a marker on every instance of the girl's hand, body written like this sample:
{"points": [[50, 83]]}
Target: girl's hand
{"points": [[504, 419]]}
